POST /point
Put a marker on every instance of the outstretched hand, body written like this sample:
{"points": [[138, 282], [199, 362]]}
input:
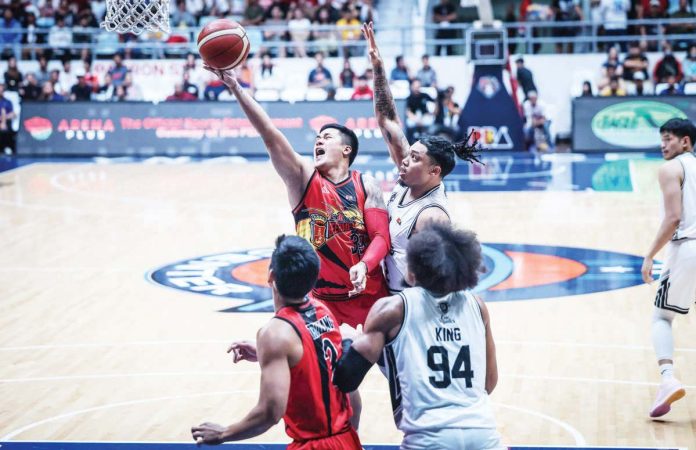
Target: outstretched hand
{"points": [[227, 76], [243, 351], [372, 50]]}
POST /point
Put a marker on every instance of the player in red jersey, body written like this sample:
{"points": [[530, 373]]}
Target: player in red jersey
{"points": [[339, 211], [297, 351]]}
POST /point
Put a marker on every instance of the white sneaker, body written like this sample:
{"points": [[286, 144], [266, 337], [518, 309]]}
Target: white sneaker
{"points": [[670, 391]]}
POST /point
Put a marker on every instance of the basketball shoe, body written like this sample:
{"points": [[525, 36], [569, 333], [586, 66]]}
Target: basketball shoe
{"points": [[670, 391]]}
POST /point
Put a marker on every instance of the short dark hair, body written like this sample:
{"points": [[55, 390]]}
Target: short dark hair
{"points": [[442, 152], [295, 266], [348, 138], [444, 259], [680, 128]]}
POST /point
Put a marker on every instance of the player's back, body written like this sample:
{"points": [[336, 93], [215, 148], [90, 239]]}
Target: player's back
{"points": [[317, 409], [687, 224], [437, 364]]}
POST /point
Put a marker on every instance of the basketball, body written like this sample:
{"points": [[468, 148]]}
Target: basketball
{"points": [[223, 44]]}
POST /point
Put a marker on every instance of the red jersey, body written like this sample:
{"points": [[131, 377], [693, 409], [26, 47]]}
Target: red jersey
{"points": [[330, 217], [316, 407]]}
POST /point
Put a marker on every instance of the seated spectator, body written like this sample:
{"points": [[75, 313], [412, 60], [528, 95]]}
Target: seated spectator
{"points": [[180, 94], [673, 87], [55, 83], [7, 134], [684, 12], [444, 14], [324, 39], [31, 38], [254, 14], [105, 92], [587, 89], [565, 11], [188, 86], [320, 77], [668, 65], [426, 74], [654, 13], [10, 33], [349, 27], [67, 78], [419, 112], [612, 59], [347, 76], [614, 89], [191, 62], [90, 77], [214, 87], [268, 76], [635, 61], [367, 12], [49, 95], [536, 124], [298, 28], [400, 72], [81, 32], [615, 19], [181, 17], [275, 33], [690, 64], [639, 87], [13, 77], [610, 72], [81, 91], [362, 91], [31, 90], [60, 38], [525, 77], [447, 113], [217, 8], [118, 71], [370, 75]]}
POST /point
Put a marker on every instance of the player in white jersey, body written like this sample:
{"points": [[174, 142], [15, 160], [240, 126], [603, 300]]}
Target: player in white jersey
{"points": [[437, 337], [677, 290], [419, 196]]}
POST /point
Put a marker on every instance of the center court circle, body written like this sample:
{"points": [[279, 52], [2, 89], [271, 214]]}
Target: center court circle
{"points": [[513, 272]]}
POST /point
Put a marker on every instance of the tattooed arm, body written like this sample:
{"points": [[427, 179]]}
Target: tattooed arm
{"points": [[385, 108]]}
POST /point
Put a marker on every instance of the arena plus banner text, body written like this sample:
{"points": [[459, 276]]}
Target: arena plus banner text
{"points": [[183, 128], [625, 123]]}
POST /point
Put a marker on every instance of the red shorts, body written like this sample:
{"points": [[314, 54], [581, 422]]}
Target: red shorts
{"points": [[353, 310], [344, 441]]}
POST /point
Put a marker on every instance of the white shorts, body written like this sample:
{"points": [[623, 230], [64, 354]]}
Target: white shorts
{"points": [[453, 439], [677, 289]]}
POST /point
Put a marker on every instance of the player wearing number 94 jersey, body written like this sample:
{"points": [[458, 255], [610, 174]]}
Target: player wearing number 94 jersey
{"points": [[438, 344]]}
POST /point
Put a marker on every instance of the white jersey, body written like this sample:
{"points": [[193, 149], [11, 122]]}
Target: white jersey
{"points": [[402, 220], [436, 365], [687, 223]]}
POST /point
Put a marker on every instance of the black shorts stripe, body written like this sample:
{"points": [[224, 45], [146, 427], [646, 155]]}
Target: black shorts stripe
{"points": [[662, 297]]}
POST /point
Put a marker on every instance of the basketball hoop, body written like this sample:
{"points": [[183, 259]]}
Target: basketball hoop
{"points": [[136, 16]]}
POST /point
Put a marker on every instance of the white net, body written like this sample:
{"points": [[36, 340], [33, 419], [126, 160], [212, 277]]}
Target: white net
{"points": [[136, 16]]}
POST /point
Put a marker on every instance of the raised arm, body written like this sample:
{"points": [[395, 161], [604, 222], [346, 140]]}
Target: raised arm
{"points": [[385, 108], [294, 170], [275, 343]]}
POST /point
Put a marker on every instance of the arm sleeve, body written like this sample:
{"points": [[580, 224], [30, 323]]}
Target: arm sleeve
{"points": [[351, 370], [377, 225]]}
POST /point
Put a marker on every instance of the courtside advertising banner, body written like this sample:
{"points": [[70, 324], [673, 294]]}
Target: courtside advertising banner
{"points": [[630, 124], [182, 128]]}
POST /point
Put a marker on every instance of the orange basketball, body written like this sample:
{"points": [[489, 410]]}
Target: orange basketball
{"points": [[223, 44]]}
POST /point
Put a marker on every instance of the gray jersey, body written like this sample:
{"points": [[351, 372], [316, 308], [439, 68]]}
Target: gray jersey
{"points": [[436, 365], [402, 220], [687, 223]]}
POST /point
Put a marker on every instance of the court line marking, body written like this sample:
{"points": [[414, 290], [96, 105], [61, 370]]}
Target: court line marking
{"points": [[579, 439], [257, 371], [232, 339]]}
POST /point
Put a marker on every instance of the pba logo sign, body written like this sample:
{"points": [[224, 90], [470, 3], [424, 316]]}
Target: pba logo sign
{"points": [[513, 272]]}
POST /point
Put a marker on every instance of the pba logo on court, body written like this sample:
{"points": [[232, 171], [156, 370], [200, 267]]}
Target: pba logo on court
{"points": [[513, 272]]}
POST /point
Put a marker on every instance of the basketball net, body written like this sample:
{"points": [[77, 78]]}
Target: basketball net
{"points": [[136, 16]]}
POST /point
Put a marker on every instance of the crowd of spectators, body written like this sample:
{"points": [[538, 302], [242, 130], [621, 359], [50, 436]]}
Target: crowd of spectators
{"points": [[633, 76]]}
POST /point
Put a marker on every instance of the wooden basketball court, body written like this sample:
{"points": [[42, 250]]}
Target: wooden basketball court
{"points": [[93, 350]]}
